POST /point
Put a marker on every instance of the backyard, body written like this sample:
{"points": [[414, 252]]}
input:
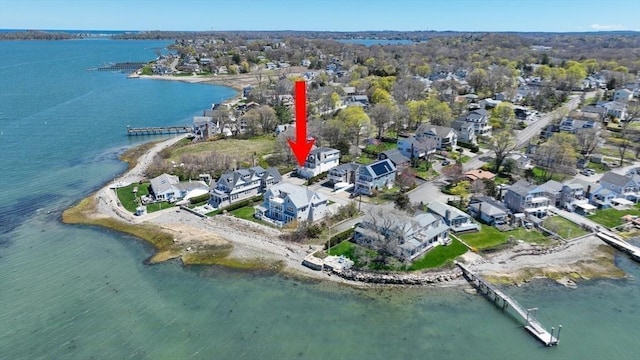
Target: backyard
{"points": [[490, 237], [130, 199], [612, 217], [563, 227]]}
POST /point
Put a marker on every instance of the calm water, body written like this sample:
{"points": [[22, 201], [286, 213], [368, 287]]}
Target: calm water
{"points": [[77, 292]]}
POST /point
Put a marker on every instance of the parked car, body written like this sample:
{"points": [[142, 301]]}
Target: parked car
{"points": [[445, 162], [587, 172]]}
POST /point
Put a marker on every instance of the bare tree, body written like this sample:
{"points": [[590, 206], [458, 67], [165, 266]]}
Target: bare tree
{"points": [[587, 140], [503, 143], [381, 116], [262, 120], [407, 89]]}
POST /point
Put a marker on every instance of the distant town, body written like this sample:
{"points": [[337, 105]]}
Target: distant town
{"points": [[426, 150]]}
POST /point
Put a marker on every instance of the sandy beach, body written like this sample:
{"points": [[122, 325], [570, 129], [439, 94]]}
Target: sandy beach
{"points": [[251, 243]]}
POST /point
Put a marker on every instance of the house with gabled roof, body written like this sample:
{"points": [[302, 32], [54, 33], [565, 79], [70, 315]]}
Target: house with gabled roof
{"points": [[242, 184], [456, 219], [488, 210], [443, 136], [465, 131], [284, 203], [523, 197], [616, 186], [397, 158], [480, 120], [375, 176], [164, 187], [319, 160], [345, 173], [406, 237], [411, 147]]}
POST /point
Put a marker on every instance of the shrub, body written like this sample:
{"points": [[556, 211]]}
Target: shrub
{"points": [[338, 238], [199, 199], [316, 178]]}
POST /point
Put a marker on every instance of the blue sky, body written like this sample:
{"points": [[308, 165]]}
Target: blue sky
{"points": [[328, 15]]}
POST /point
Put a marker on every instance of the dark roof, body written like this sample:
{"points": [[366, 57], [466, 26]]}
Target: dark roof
{"points": [[395, 156], [615, 179], [382, 167]]}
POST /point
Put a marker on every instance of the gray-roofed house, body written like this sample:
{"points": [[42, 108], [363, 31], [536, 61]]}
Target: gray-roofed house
{"points": [[319, 160], [285, 202], [480, 120], [414, 148], [164, 188], [242, 184], [553, 191], [574, 197], [522, 197], [397, 158], [443, 136], [488, 210], [465, 131], [457, 219], [406, 237], [345, 173], [572, 126], [376, 176], [614, 186]]}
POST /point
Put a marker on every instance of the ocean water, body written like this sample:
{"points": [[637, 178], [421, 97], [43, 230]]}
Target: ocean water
{"points": [[79, 292]]}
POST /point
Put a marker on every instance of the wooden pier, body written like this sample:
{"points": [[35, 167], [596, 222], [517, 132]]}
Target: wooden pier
{"points": [[504, 301], [619, 244], [158, 130]]}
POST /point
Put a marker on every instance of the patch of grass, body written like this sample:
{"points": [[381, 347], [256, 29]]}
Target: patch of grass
{"points": [[244, 213], [439, 256], [237, 148], [463, 159], [563, 227], [539, 176], [612, 217], [383, 146], [486, 238], [365, 160], [129, 199], [131, 155], [344, 248], [530, 236]]}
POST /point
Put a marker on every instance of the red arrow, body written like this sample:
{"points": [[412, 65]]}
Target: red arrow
{"points": [[301, 146]]}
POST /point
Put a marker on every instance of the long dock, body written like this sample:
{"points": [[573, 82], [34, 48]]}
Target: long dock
{"points": [[621, 245], [124, 66], [158, 130], [532, 325]]}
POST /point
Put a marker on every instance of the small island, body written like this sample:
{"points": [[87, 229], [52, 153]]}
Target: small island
{"points": [[414, 169]]}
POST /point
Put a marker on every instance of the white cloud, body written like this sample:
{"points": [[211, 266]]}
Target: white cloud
{"points": [[610, 27]]}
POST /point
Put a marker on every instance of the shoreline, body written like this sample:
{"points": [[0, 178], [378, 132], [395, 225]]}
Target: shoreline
{"points": [[236, 243]]}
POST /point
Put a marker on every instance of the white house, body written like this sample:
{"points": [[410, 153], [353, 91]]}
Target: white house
{"points": [[413, 148], [320, 160], [614, 108], [285, 202], [480, 120], [407, 237], [456, 219], [376, 176], [164, 187], [443, 136], [242, 184]]}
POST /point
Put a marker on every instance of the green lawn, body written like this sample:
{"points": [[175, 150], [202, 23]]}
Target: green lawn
{"points": [[563, 227], [236, 148], [365, 160], [489, 237], [539, 176], [344, 248], [383, 146], [439, 256], [612, 217], [129, 199], [244, 213]]}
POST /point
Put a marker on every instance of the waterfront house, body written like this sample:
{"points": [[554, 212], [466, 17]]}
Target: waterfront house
{"points": [[397, 158], [553, 191], [405, 237], [376, 176], [242, 184], [285, 202], [444, 137], [345, 173], [616, 186], [204, 127], [318, 161], [456, 219], [575, 197], [488, 210], [523, 197], [164, 188]]}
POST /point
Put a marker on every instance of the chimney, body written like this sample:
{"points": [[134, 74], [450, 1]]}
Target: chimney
{"points": [[588, 191], [447, 214]]}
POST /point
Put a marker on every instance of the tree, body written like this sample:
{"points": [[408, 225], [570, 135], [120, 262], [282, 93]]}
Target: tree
{"points": [[407, 89], [454, 172], [477, 79], [401, 201], [381, 116], [386, 228], [283, 113], [557, 155], [381, 96], [438, 112], [575, 73], [355, 122], [502, 116], [461, 189], [502, 143], [261, 120], [406, 178], [587, 140], [417, 112]]}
